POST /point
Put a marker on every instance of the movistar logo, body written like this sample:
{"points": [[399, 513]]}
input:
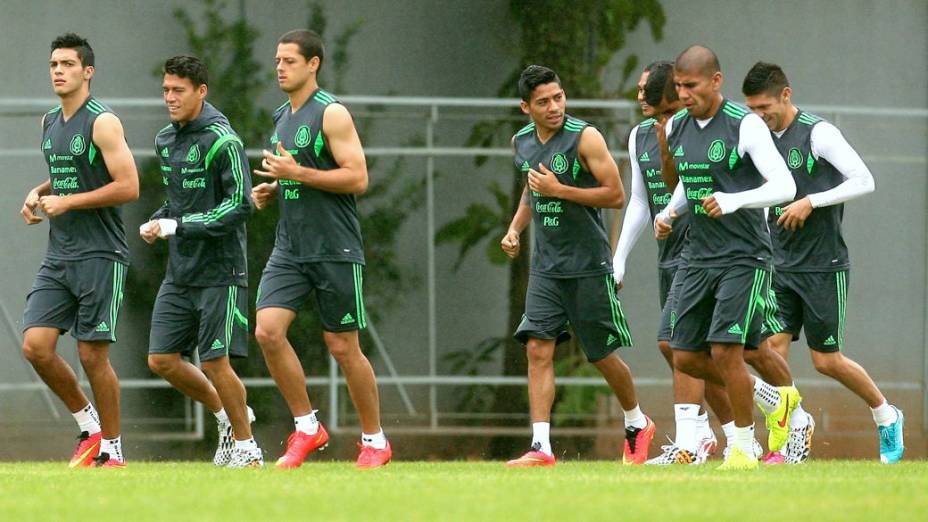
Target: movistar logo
{"points": [[679, 152], [736, 329], [302, 136], [193, 154], [830, 341], [217, 345], [644, 157], [47, 145], [525, 167], [164, 152], [78, 145], [683, 166], [102, 327], [794, 158], [347, 319], [559, 163]]}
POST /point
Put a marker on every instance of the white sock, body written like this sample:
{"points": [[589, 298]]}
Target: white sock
{"points": [[766, 396], [884, 414], [113, 447], [703, 430], [87, 419], [221, 416], [377, 440], [308, 423], [744, 440], [687, 421], [634, 418], [729, 430], [541, 436], [247, 444], [799, 418]]}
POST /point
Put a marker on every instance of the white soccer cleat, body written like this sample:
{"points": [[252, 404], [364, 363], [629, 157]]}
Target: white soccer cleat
{"points": [[246, 458], [227, 440]]}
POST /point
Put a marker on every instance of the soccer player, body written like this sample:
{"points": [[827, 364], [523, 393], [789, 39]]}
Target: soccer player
{"points": [[202, 302], [318, 169], [570, 176], [79, 286], [729, 171], [694, 441], [810, 256]]}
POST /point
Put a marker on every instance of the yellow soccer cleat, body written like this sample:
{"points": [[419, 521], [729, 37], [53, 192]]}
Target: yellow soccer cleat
{"points": [[737, 460], [778, 420]]}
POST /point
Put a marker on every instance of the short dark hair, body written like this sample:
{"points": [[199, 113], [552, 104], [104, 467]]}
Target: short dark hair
{"points": [[659, 86], [532, 77], [78, 43], [764, 78], [189, 67], [309, 43]]}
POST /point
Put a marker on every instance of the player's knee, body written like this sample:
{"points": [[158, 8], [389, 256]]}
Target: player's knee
{"points": [[826, 364], [666, 351], [37, 355], [160, 364], [538, 353], [91, 360], [269, 338], [341, 348]]}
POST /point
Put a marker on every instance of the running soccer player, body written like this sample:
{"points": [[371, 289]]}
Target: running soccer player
{"points": [[810, 255], [79, 286], [318, 169], [202, 302], [730, 171], [570, 176], [694, 441]]}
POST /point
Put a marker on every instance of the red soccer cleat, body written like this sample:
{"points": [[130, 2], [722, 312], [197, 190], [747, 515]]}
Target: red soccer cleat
{"points": [[104, 460], [87, 449], [531, 459], [637, 442], [300, 445], [774, 457], [372, 457]]}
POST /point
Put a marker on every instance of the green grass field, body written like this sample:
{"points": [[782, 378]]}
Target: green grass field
{"points": [[481, 491]]}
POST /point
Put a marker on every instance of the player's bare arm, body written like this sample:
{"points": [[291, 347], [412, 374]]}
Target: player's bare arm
{"points": [[595, 157], [511, 241], [110, 140], [345, 146], [668, 169]]}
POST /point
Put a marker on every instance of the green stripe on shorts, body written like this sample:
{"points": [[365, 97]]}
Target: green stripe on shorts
{"points": [[359, 295], [841, 285], [618, 316]]}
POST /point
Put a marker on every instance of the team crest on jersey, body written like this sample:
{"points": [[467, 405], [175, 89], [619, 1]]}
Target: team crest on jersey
{"points": [[78, 145], [716, 152], [302, 136], [794, 159], [193, 154], [559, 163]]}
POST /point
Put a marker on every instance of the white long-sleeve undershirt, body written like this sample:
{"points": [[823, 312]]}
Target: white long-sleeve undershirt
{"points": [[637, 213], [828, 143]]}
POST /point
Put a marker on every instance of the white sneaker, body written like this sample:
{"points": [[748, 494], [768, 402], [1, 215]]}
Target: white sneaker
{"points": [[227, 440], [246, 458], [799, 444]]}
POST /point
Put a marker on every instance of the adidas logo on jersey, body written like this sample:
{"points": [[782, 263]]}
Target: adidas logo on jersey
{"points": [[347, 319], [830, 341], [679, 152], [644, 157], [164, 152], [47, 145], [610, 340], [102, 327], [217, 345], [736, 329], [525, 167]]}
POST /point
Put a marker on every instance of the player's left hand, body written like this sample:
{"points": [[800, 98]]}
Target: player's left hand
{"points": [[795, 214], [543, 181], [54, 206], [279, 166]]}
